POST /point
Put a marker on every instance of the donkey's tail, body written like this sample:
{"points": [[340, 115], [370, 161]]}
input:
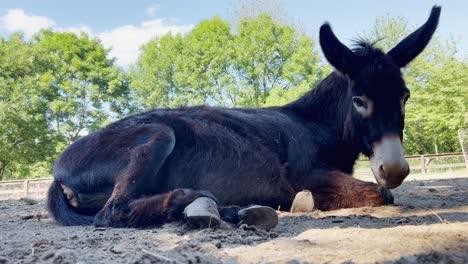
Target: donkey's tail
{"points": [[59, 207]]}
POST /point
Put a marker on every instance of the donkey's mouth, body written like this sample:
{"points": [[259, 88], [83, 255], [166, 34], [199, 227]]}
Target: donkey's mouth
{"points": [[388, 163]]}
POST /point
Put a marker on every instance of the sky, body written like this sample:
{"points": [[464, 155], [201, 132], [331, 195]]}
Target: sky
{"points": [[124, 26]]}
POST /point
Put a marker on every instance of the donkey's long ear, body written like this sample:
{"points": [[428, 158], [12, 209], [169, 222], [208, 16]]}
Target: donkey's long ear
{"points": [[412, 45], [340, 56]]}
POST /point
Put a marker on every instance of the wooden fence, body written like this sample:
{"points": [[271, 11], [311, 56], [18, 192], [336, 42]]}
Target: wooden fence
{"points": [[16, 189], [424, 164], [419, 164]]}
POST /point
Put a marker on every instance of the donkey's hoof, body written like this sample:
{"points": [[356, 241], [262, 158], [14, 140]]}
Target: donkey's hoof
{"points": [[103, 218], [263, 217], [303, 202], [386, 195], [202, 212], [100, 221], [114, 214]]}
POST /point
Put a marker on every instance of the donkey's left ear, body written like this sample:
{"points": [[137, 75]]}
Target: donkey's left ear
{"points": [[412, 45]]}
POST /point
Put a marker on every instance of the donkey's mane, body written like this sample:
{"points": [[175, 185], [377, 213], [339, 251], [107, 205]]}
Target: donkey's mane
{"points": [[366, 48]]}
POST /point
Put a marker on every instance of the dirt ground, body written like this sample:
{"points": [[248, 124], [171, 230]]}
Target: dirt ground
{"points": [[428, 224]]}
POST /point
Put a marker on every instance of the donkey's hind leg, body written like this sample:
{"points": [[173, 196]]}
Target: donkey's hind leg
{"points": [[341, 190], [161, 208], [173, 206], [146, 158]]}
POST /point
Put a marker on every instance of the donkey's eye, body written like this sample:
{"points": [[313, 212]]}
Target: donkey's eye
{"points": [[358, 102], [363, 105]]}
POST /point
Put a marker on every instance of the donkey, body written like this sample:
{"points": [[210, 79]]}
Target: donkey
{"points": [[147, 168]]}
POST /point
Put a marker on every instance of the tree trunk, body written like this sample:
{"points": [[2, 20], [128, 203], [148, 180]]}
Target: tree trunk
{"points": [[3, 165]]}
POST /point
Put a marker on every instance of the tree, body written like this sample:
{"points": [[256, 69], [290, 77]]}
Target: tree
{"points": [[438, 80], [268, 55], [188, 70], [88, 90], [25, 136], [279, 96], [212, 65], [252, 9], [53, 88], [153, 77]]}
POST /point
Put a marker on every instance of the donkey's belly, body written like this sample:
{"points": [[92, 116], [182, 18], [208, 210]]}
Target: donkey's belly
{"points": [[237, 186]]}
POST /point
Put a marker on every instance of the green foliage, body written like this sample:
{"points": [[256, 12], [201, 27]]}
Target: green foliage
{"points": [[53, 89], [438, 81], [268, 55], [86, 88], [25, 136], [212, 65], [189, 70]]}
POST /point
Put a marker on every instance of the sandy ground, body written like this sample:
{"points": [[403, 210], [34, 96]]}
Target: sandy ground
{"points": [[428, 224]]}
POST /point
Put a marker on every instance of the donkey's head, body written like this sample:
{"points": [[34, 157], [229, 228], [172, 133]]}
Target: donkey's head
{"points": [[377, 96]]}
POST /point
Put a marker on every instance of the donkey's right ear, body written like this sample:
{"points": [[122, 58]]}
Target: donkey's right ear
{"points": [[337, 54]]}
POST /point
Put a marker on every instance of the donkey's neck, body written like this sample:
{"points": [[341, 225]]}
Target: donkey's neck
{"points": [[327, 104]]}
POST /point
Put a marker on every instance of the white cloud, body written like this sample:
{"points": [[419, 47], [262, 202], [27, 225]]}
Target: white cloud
{"points": [[151, 10], [124, 41], [18, 20], [77, 29]]}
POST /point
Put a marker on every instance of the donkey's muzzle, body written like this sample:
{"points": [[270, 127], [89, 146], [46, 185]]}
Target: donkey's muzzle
{"points": [[388, 163]]}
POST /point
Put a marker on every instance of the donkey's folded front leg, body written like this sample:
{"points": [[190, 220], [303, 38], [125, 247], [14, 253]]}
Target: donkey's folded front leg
{"points": [[148, 211], [343, 191]]}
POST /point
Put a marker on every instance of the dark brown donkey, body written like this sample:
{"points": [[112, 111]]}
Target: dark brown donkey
{"points": [[145, 169]]}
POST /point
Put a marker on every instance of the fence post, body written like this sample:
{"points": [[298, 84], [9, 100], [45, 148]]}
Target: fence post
{"points": [[26, 188], [465, 155], [423, 164], [464, 151]]}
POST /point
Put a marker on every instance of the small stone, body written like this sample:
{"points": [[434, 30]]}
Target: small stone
{"points": [[403, 221], [116, 250], [303, 202], [253, 238], [432, 190], [27, 217], [29, 200], [219, 245], [294, 261]]}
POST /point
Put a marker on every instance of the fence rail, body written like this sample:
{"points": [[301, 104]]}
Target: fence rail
{"points": [[16, 189], [423, 164]]}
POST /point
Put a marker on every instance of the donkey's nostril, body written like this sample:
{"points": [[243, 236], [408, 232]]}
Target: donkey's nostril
{"points": [[381, 170]]}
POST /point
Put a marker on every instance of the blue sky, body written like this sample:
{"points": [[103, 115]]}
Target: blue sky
{"points": [[125, 25]]}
